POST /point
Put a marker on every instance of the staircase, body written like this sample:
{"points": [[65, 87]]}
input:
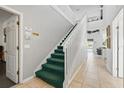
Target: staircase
{"points": [[53, 71]]}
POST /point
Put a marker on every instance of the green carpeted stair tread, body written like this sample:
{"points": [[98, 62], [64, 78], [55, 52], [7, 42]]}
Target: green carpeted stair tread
{"points": [[52, 67], [59, 51], [55, 61], [53, 79], [57, 55], [49, 75]]}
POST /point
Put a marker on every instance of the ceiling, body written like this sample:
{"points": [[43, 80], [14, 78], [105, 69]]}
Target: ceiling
{"points": [[4, 15], [90, 10], [93, 13], [83, 7]]}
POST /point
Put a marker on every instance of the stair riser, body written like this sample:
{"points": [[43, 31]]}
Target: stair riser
{"points": [[60, 85], [55, 63], [56, 51], [60, 47], [52, 81], [57, 56], [60, 73]]}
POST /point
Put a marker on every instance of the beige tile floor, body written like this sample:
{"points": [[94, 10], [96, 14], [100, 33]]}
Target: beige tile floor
{"points": [[34, 83], [93, 74]]}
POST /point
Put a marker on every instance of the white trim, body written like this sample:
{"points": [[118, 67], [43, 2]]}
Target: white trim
{"points": [[13, 86], [6, 8], [20, 39], [116, 46], [58, 10], [24, 81], [67, 44], [29, 78], [74, 75]]}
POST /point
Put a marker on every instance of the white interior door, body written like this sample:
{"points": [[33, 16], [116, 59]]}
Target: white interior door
{"points": [[114, 47], [11, 47], [120, 44]]}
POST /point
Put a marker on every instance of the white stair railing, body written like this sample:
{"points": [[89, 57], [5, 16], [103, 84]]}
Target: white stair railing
{"points": [[73, 48]]}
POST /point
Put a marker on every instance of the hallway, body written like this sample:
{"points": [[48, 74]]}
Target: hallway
{"points": [[95, 75], [75, 28]]}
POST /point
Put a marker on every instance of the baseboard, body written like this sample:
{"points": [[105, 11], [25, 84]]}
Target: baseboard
{"points": [[25, 80], [75, 73], [29, 78]]}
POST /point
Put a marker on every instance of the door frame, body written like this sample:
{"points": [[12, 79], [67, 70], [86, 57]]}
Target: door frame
{"points": [[20, 37], [116, 67], [121, 15], [117, 50]]}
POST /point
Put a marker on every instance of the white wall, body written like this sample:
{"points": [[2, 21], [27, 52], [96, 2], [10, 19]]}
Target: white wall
{"points": [[79, 45], [51, 27], [81, 10], [4, 15], [75, 50], [110, 11], [68, 12], [108, 54]]}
